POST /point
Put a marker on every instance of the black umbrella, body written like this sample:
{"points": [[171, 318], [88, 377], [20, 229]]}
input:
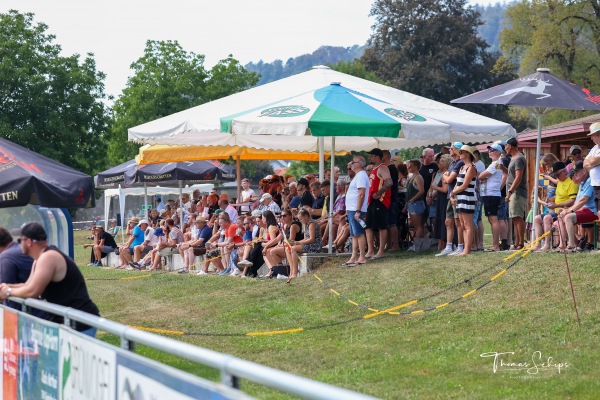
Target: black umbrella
{"points": [[27, 177], [540, 91], [129, 173]]}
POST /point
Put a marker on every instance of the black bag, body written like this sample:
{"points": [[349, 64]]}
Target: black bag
{"points": [[199, 250], [280, 270]]}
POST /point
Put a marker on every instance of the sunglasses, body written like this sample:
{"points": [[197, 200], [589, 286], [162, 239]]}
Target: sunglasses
{"points": [[20, 239], [576, 152], [491, 150]]}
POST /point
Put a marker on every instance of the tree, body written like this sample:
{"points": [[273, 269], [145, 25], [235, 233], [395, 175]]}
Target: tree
{"points": [[430, 48], [557, 34], [356, 68], [166, 80], [49, 103]]}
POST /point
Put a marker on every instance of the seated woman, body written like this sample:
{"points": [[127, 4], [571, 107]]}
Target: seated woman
{"points": [[343, 233], [293, 231], [114, 229], [153, 256], [269, 237], [310, 244]]}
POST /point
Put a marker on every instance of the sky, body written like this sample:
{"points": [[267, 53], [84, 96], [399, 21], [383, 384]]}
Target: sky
{"points": [[251, 30]]}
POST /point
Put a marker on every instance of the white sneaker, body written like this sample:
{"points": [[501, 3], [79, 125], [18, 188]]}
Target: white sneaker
{"points": [[279, 276], [90, 265], [235, 273], [456, 252], [202, 273], [244, 263], [411, 248], [445, 252]]}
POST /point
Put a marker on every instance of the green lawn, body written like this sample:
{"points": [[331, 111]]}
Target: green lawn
{"points": [[432, 355]]}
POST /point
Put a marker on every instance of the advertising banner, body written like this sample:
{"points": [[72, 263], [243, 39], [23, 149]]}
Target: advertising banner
{"points": [[87, 368], [38, 359], [10, 360]]}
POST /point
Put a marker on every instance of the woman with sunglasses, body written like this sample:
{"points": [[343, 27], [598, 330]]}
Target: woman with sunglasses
{"points": [[311, 243], [292, 229], [491, 183], [464, 196], [269, 237]]}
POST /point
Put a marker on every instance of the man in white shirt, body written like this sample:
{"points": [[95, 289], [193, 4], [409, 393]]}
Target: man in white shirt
{"points": [[356, 208], [248, 196], [592, 162]]}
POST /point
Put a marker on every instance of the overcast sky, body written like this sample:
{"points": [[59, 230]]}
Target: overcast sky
{"points": [[251, 30]]}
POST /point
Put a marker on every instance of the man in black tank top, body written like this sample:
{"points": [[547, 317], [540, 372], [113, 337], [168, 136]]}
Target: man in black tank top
{"points": [[54, 277]]}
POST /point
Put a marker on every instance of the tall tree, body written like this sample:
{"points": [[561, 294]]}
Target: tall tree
{"points": [[49, 103], [430, 48], [558, 34], [168, 79]]}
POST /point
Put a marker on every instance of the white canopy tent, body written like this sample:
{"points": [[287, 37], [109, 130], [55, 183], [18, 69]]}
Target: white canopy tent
{"points": [[122, 193]]}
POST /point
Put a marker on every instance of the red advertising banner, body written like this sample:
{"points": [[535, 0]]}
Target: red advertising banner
{"points": [[10, 365]]}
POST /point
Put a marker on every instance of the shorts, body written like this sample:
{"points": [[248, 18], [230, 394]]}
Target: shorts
{"points": [[107, 249], [451, 211], [376, 215], [392, 214], [168, 251], [355, 228], [492, 205], [552, 214], [416, 208], [517, 206], [502, 210], [584, 216]]}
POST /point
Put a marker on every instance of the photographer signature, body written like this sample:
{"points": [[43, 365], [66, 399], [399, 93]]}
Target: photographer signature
{"points": [[533, 367]]}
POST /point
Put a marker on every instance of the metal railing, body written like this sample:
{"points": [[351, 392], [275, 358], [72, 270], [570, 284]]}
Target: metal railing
{"points": [[231, 368]]}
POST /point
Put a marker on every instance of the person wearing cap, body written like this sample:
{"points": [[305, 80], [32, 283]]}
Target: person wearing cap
{"points": [[592, 162], [104, 244], [54, 277], [452, 219], [566, 192], [137, 237], [196, 246], [141, 250], [575, 154], [490, 186], [247, 196], [516, 193], [306, 199], [379, 198], [464, 197], [583, 212], [267, 204]]}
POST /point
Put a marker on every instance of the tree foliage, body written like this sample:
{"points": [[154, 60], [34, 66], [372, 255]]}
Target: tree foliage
{"points": [[431, 48], [167, 79], [557, 34], [49, 103]]}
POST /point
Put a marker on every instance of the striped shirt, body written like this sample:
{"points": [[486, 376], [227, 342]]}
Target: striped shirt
{"points": [[466, 201]]}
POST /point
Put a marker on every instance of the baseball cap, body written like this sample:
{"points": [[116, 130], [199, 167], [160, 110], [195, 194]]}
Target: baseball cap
{"points": [[457, 145], [377, 152], [558, 166], [266, 196], [33, 231], [594, 128], [159, 232], [143, 221], [256, 213], [573, 148], [496, 147]]}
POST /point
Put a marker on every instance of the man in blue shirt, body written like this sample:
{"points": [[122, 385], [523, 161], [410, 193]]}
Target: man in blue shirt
{"points": [[582, 212], [137, 238]]}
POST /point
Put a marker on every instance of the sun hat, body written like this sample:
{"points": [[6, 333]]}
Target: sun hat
{"points": [[468, 149], [594, 128], [266, 196], [134, 220]]}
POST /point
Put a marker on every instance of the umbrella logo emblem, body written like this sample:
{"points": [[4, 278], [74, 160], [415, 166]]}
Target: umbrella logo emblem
{"points": [[394, 112], [589, 97], [537, 90], [284, 111]]}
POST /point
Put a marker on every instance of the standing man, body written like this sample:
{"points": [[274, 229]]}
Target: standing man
{"points": [[452, 220], [54, 276], [248, 196], [592, 162], [380, 183], [516, 194], [392, 214], [356, 207]]}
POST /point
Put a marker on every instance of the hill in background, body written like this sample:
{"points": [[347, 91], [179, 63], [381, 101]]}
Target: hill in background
{"points": [[492, 15]]}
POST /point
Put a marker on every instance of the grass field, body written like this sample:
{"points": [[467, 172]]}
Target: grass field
{"points": [[433, 355]]}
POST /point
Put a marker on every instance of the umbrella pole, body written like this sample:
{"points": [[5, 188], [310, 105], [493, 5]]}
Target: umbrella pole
{"points": [[180, 205], [238, 178], [145, 200], [331, 192], [321, 158], [122, 211], [538, 150]]}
